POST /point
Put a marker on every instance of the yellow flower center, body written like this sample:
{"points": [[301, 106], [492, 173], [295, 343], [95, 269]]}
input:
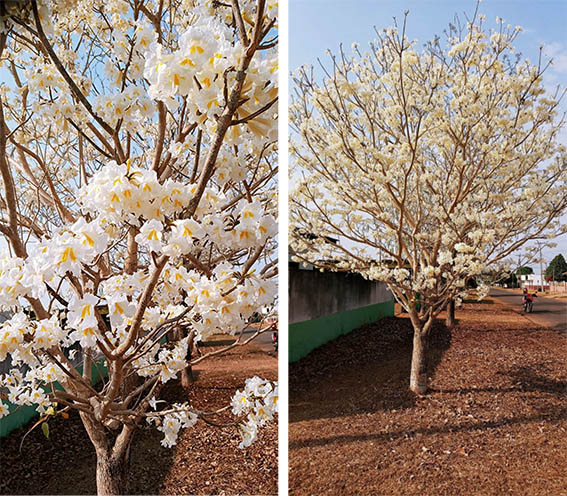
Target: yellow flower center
{"points": [[88, 239], [68, 254], [86, 311]]}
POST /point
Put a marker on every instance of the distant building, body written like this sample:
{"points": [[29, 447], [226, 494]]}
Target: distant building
{"points": [[532, 280]]}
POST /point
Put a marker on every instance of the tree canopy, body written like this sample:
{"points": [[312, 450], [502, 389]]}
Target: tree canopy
{"points": [[524, 271], [557, 268], [443, 161]]}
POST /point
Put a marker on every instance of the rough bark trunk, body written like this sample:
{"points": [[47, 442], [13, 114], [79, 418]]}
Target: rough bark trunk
{"points": [[112, 455], [187, 377], [450, 321], [418, 374], [112, 471], [187, 373]]}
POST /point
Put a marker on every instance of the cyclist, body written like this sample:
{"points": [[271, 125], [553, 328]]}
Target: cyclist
{"points": [[528, 300]]}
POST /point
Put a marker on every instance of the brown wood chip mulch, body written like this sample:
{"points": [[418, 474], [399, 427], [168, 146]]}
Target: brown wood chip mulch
{"points": [[493, 423]]}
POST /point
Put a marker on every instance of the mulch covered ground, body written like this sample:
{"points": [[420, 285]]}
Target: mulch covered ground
{"points": [[206, 459], [493, 423]]}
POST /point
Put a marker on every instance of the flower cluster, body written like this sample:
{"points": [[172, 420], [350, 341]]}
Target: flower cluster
{"points": [[167, 363], [130, 107], [223, 303], [204, 53], [259, 402], [200, 69], [120, 193], [31, 387], [12, 281], [20, 337], [172, 423]]}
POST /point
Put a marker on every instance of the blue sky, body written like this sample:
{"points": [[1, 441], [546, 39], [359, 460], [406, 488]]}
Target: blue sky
{"points": [[315, 25], [318, 25]]}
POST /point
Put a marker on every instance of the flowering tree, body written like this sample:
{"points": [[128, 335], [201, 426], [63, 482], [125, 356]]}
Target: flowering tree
{"points": [[428, 167], [137, 154]]}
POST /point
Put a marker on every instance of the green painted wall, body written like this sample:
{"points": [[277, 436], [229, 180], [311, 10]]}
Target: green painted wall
{"points": [[20, 416], [16, 419], [310, 334]]}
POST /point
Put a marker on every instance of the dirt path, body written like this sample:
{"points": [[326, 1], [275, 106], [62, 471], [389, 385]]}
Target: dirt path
{"points": [[494, 422], [206, 460]]}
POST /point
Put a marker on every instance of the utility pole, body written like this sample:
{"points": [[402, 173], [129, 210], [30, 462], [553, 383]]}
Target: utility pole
{"points": [[540, 266]]}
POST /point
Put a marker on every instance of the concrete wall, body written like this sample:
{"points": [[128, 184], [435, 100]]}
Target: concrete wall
{"points": [[324, 305], [313, 294]]}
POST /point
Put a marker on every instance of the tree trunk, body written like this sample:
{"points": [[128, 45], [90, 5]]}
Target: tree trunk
{"points": [[112, 455], [187, 377], [187, 373], [112, 471], [129, 382], [418, 374], [450, 322]]}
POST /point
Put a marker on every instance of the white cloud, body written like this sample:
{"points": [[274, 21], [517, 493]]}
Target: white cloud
{"points": [[558, 52]]}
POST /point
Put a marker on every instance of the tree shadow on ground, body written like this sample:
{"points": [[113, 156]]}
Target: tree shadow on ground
{"points": [[362, 372], [528, 379], [525, 379], [441, 429]]}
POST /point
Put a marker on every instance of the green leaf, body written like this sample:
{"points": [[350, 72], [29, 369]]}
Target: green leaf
{"points": [[45, 429]]}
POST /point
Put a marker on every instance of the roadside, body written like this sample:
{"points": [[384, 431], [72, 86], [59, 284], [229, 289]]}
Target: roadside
{"points": [[547, 312], [495, 418], [206, 459], [554, 296]]}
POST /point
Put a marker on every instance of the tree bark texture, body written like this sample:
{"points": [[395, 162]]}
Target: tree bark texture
{"points": [[450, 321], [112, 472], [418, 374], [112, 455], [187, 373], [187, 377]]}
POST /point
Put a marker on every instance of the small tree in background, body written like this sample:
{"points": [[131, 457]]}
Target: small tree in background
{"points": [[557, 269], [524, 271], [137, 157], [428, 166]]}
